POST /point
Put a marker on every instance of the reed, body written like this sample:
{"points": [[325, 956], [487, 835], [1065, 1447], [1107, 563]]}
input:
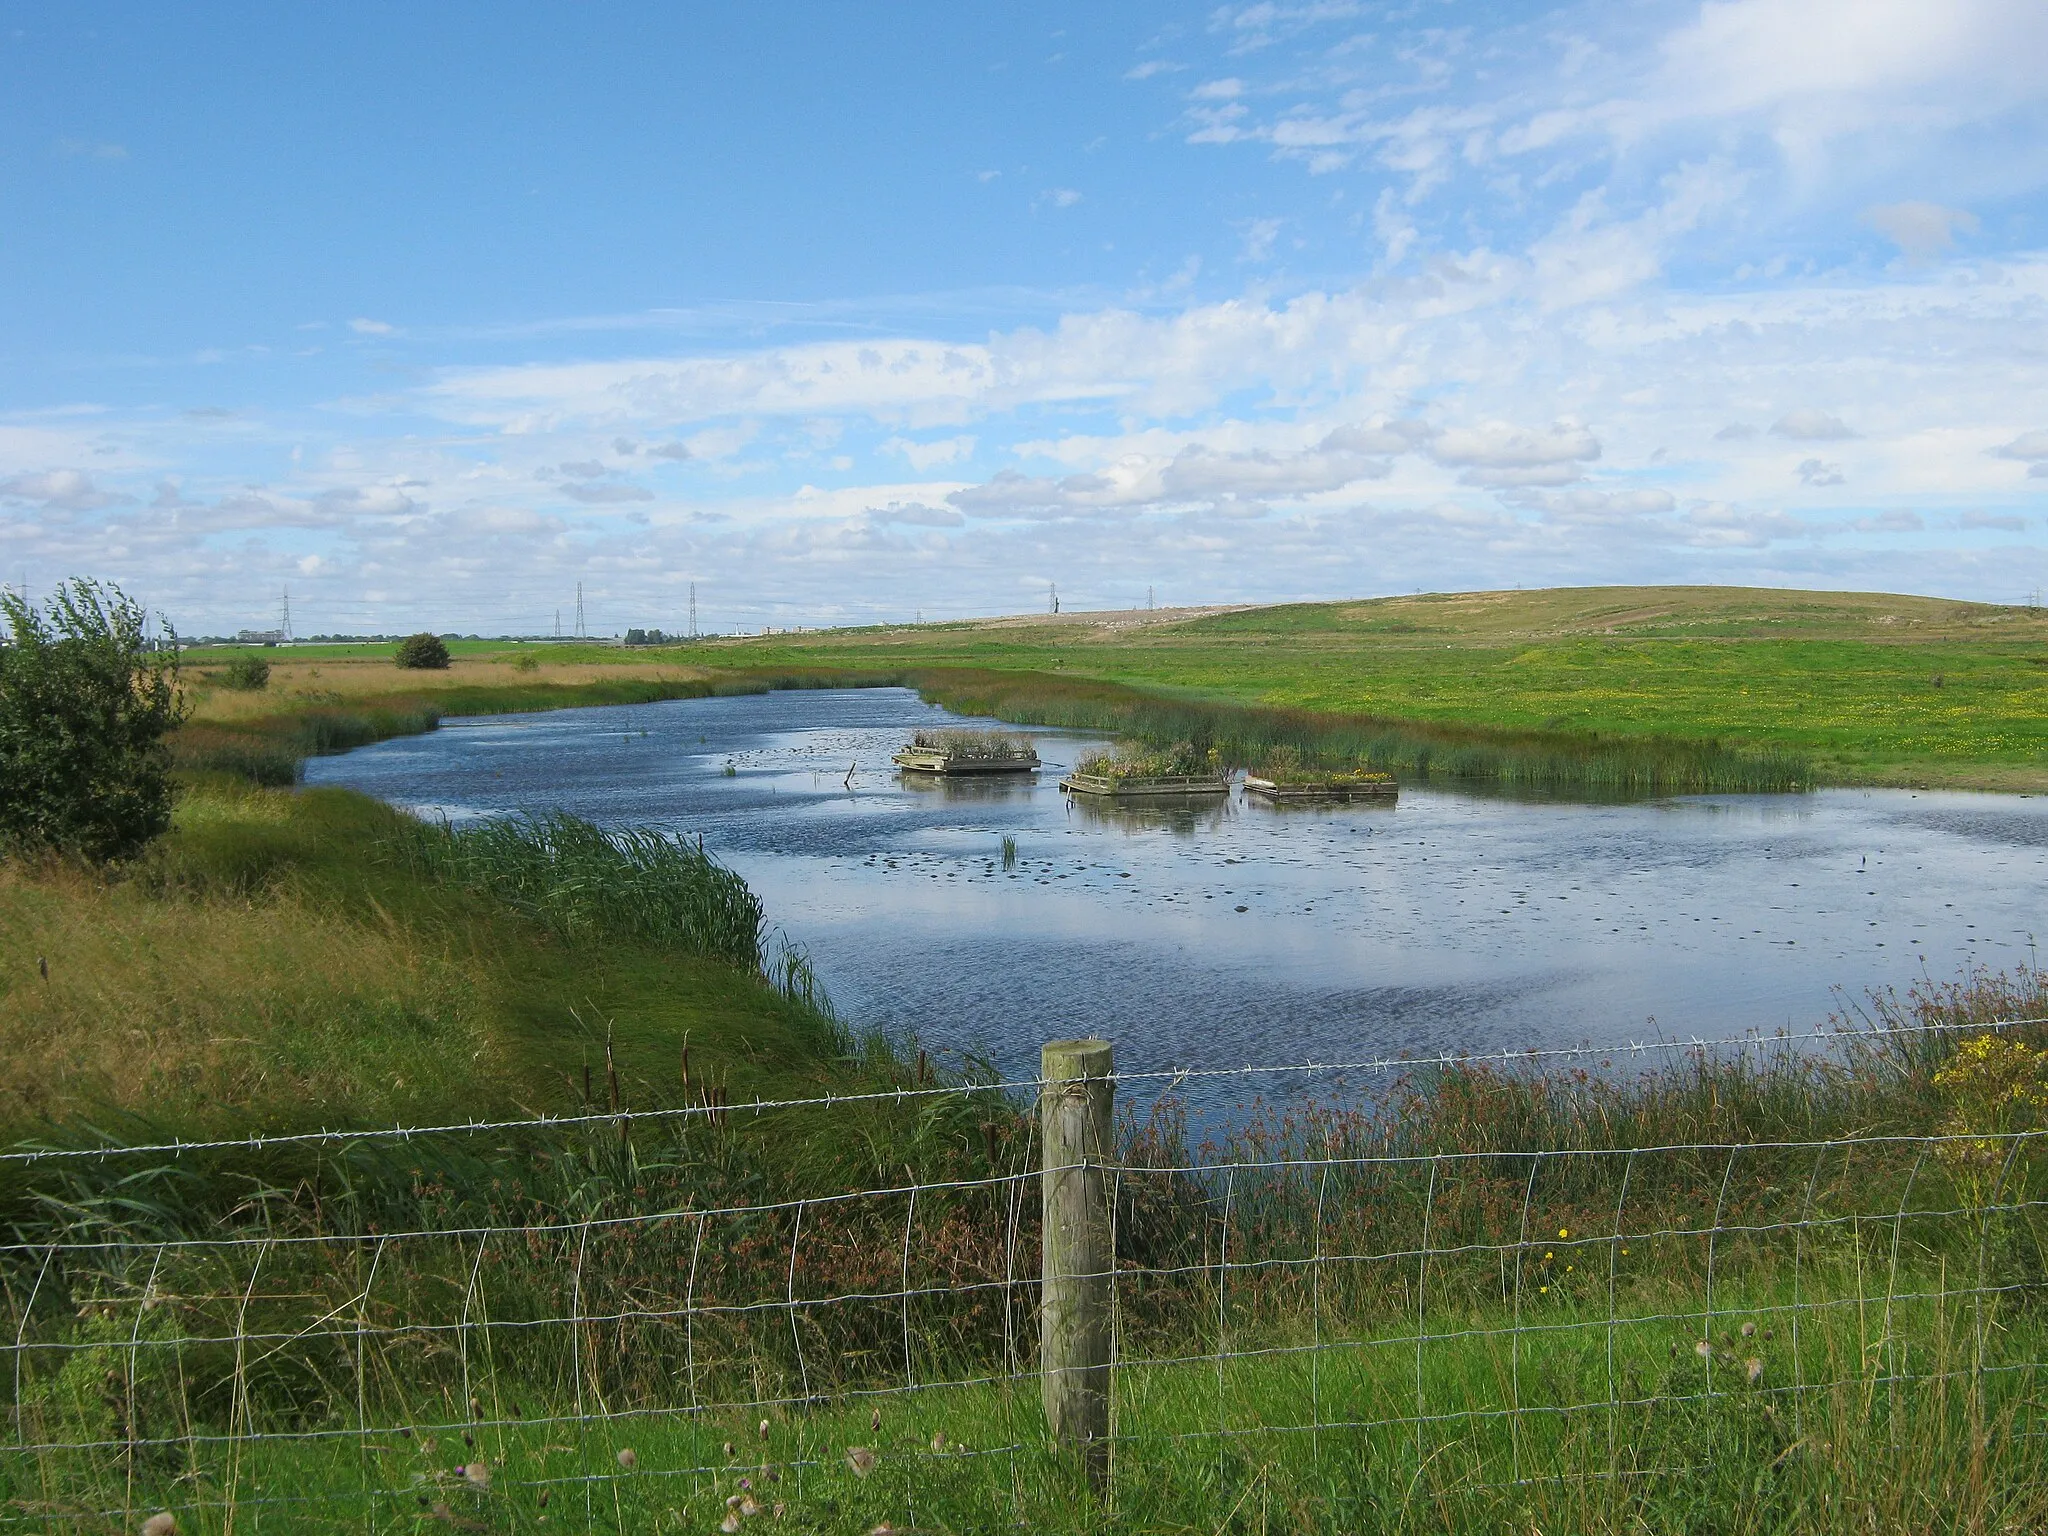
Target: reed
{"points": [[977, 746], [591, 886], [1244, 735]]}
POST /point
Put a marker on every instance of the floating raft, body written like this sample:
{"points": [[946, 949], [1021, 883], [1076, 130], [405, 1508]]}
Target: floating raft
{"points": [[1356, 786], [1171, 786], [933, 760]]}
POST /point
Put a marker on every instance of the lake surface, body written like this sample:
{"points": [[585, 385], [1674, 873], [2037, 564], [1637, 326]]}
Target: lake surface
{"points": [[1244, 933]]}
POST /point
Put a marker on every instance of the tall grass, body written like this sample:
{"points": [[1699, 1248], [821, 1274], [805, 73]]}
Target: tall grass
{"points": [[1245, 734], [1462, 1311], [588, 884]]}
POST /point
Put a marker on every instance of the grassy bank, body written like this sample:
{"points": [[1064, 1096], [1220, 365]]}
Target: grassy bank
{"points": [[1599, 690], [287, 961], [1730, 1296], [1857, 687]]}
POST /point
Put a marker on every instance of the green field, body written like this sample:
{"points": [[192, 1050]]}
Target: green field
{"points": [[1867, 688]]}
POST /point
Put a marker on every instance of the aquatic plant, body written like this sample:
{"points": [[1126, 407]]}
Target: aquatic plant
{"points": [[588, 884], [978, 746], [1135, 760], [1244, 734]]}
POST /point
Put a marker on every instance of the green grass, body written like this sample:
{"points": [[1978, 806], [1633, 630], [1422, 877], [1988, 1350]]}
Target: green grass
{"points": [[1885, 1397], [1849, 687]]}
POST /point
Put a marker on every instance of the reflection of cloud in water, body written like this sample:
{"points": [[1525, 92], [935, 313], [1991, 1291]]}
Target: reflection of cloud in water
{"points": [[1450, 921]]}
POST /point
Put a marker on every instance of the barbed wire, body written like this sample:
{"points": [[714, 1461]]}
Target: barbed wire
{"points": [[1172, 1077]]}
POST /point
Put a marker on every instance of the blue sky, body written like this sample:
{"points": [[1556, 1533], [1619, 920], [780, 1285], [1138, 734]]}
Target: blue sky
{"points": [[849, 313]]}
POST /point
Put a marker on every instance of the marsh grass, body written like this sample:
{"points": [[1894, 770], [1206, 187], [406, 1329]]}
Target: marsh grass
{"points": [[1137, 760], [1478, 1300], [980, 746], [1243, 734], [589, 885]]}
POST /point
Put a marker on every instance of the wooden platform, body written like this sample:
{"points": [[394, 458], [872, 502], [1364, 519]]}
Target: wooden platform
{"points": [[1174, 786], [1373, 786], [931, 760]]}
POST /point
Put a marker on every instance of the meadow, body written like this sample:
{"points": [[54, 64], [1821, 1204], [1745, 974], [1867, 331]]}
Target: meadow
{"points": [[1856, 688], [1599, 690]]}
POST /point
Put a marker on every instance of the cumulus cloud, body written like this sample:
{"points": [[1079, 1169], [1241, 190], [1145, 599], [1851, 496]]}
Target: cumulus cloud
{"points": [[2003, 522], [1584, 504], [2031, 447], [605, 492], [1921, 231], [1814, 472], [1808, 425], [1735, 432], [917, 514], [1901, 520], [60, 490], [927, 455], [1497, 455]]}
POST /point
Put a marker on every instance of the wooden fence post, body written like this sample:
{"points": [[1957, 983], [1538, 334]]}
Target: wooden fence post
{"points": [[1075, 1109]]}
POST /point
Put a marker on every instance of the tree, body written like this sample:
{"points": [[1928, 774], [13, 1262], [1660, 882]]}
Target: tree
{"points": [[247, 671], [85, 705], [422, 652]]}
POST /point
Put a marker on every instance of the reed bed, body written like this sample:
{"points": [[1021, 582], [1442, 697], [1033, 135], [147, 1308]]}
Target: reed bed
{"points": [[976, 746], [1244, 735], [1136, 760], [585, 883]]}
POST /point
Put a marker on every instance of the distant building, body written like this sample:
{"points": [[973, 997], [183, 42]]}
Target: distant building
{"points": [[259, 637]]}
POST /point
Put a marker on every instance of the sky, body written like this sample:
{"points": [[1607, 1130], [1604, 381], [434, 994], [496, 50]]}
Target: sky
{"points": [[842, 314]]}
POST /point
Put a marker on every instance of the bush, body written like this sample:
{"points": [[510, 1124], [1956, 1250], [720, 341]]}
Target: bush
{"points": [[423, 653], [247, 671], [85, 705]]}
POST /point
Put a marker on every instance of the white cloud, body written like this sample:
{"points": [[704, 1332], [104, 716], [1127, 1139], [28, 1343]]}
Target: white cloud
{"points": [[2003, 522], [2031, 446], [1921, 231], [90, 149], [1498, 455], [1810, 425], [1814, 472], [59, 490], [917, 514], [1059, 197], [363, 327], [1151, 67], [923, 456], [1258, 236]]}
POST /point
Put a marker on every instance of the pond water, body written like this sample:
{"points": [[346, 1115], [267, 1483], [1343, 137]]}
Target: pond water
{"points": [[1240, 933]]}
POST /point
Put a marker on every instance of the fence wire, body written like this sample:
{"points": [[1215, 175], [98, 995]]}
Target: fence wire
{"points": [[1316, 1308]]}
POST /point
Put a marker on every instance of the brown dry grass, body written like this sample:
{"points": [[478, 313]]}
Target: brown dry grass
{"points": [[311, 684], [159, 1003]]}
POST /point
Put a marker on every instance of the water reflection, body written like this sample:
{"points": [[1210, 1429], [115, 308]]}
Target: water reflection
{"points": [[1219, 933]]}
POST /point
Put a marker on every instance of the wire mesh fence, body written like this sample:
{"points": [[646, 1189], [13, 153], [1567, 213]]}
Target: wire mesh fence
{"points": [[1321, 1319]]}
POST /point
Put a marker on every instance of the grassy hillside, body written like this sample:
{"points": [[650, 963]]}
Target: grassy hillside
{"points": [[1857, 688], [1867, 688]]}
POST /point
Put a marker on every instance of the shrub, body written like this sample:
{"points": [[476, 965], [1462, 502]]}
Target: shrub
{"points": [[85, 705], [422, 652], [526, 661], [247, 671]]}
